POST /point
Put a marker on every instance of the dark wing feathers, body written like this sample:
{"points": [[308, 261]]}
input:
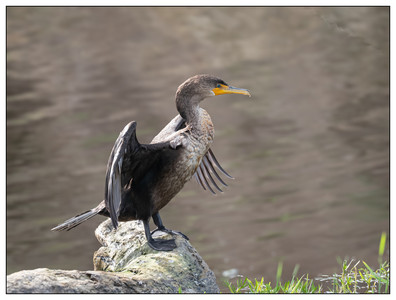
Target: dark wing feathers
{"points": [[129, 160], [204, 179], [210, 166], [205, 170], [199, 180], [113, 192], [213, 159]]}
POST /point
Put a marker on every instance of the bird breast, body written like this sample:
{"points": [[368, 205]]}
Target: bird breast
{"points": [[196, 140]]}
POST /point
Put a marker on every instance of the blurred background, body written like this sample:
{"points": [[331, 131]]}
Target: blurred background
{"points": [[309, 151]]}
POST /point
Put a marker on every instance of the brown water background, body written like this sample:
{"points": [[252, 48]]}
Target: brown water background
{"points": [[309, 150]]}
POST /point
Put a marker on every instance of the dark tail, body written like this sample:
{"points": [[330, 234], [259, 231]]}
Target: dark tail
{"points": [[77, 220]]}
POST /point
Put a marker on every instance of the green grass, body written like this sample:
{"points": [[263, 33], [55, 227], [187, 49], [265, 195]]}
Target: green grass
{"points": [[359, 277], [301, 285], [354, 277]]}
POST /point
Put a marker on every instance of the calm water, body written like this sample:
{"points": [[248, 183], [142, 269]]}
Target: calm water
{"points": [[309, 151]]}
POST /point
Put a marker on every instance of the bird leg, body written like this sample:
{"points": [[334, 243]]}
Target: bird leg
{"points": [[158, 244], [157, 221]]}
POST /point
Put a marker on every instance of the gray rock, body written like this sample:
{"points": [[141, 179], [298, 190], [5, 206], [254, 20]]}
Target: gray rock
{"points": [[62, 281], [125, 264]]}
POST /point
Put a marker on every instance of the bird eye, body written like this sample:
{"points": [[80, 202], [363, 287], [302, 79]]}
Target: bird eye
{"points": [[219, 85]]}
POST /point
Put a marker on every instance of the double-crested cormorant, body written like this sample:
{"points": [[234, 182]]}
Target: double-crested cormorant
{"points": [[142, 178]]}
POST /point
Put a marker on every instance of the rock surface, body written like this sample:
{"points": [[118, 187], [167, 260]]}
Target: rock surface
{"points": [[125, 264]]}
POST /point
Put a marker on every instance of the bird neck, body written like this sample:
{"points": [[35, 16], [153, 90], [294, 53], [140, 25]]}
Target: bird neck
{"points": [[189, 109]]}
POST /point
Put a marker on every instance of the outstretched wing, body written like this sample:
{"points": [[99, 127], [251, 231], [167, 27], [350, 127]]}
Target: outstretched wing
{"points": [[206, 168], [129, 160]]}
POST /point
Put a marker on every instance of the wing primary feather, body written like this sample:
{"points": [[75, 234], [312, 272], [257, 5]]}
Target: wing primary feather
{"points": [[199, 180], [199, 175], [205, 180], [212, 169], [214, 160], [207, 174], [202, 178], [114, 195]]}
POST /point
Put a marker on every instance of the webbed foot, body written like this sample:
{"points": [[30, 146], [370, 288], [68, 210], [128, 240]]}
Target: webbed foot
{"points": [[162, 245], [158, 244]]}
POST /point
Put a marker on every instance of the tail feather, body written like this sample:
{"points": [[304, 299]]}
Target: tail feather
{"points": [[77, 220]]}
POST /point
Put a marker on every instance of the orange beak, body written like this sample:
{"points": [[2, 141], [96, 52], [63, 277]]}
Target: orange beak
{"points": [[222, 89]]}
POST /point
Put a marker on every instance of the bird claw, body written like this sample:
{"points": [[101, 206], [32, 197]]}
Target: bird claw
{"points": [[171, 232]]}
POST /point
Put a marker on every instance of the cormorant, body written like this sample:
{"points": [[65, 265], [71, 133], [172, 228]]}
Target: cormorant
{"points": [[142, 178]]}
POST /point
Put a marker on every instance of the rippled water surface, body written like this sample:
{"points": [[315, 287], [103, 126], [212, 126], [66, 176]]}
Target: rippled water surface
{"points": [[309, 151]]}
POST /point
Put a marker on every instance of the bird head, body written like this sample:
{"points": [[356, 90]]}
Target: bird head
{"points": [[200, 87]]}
